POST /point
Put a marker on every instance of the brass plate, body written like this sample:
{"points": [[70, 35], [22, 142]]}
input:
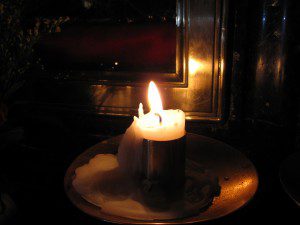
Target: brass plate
{"points": [[237, 177]]}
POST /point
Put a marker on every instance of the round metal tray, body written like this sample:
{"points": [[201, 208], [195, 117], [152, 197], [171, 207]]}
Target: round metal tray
{"points": [[237, 177]]}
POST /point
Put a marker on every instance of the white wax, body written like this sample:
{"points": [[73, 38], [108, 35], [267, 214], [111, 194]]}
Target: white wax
{"points": [[171, 126], [130, 150]]}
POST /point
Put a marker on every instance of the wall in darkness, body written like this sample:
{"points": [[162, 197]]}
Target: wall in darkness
{"points": [[270, 93]]}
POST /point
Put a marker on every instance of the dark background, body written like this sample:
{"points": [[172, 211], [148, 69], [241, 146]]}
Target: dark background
{"points": [[103, 9], [262, 121], [99, 33]]}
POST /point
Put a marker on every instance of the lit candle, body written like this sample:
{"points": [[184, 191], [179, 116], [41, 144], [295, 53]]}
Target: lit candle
{"points": [[159, 124], [153, 146]]}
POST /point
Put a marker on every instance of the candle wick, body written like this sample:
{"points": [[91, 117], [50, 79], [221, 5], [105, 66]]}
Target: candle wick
{"points": [[141, 110], [159, 116]]}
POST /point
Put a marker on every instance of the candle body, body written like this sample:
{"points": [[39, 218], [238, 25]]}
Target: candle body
{"points": [[156, 126], [164, 126], [164, 162]]}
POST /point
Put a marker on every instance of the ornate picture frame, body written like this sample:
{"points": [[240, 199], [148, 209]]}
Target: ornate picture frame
{"points": [[197, 87]]}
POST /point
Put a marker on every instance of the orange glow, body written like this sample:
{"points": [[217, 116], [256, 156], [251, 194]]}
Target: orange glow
{"points": [[194, 66], [243, 185], [154, 98]]}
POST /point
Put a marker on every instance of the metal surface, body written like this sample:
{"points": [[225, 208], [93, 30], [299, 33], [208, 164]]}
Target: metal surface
{"points": [[268, 95], [197, 87], [164, 161], [290, 177], [237, 178]]}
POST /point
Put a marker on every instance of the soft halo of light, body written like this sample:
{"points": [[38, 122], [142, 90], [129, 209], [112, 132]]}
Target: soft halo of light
{"points": [[154, 99], [194, 66]]}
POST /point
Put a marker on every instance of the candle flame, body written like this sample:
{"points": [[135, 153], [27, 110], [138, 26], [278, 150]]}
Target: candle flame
{"points": [[154, 98]]}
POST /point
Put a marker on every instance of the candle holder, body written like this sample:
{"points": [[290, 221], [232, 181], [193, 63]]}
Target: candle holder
{"points": [[216, 180], [163, 162]]}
